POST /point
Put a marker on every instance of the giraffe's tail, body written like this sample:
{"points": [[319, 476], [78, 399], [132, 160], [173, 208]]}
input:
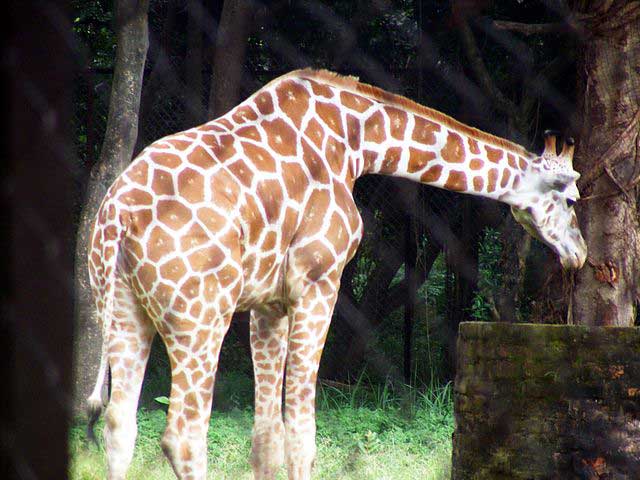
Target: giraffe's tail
{"points": [[105, 316]]}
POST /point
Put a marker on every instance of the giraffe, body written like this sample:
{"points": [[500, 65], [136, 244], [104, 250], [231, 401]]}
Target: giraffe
{"points": [[254, 211]]}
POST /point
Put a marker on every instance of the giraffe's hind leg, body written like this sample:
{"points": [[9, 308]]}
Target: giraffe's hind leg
{"points": [[269, 333], [129, 344], [193, 340]]}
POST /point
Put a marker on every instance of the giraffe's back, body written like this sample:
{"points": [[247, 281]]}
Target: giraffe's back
{"points": [[247, 186]]}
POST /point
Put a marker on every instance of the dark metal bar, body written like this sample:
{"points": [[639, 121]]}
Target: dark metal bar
{"points": [[411, 253]]}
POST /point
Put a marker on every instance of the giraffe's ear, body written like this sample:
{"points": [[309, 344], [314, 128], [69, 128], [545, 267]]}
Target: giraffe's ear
{"points": [[559, 180]]}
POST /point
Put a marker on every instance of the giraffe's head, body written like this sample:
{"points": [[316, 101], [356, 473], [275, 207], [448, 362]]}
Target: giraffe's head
{"points": [[543, 204]]}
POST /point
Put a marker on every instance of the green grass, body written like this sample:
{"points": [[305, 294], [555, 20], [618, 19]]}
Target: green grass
{"points": [[363, 433]]}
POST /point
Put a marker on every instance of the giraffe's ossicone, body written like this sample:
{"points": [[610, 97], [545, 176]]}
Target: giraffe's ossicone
{"points": [[254, 211]]}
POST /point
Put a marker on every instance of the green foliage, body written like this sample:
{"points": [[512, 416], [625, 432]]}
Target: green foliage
{"points": [[364, 267], [162, 400], [92, 25], [377, 438], [489, 275]]}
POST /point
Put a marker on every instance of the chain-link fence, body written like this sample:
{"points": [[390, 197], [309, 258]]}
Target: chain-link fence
{"points": [[429, 258]]}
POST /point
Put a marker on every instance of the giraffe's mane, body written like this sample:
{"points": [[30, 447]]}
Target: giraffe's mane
{"points": [[353, 85]]}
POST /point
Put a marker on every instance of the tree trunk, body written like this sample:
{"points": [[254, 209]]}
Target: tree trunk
{"points": [[462, 260], [116, 153], [195, 97], [606, 290], [160, 78], [229, 56]]}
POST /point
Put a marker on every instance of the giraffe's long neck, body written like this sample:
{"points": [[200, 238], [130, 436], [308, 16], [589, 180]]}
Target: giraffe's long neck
{"points": [[433, 149]]}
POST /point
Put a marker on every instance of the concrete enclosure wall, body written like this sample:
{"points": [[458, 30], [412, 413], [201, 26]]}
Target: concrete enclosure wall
{"points": [[546, 402]]}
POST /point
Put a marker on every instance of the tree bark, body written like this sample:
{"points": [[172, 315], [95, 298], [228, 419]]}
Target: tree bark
{"points": [[194, 84], [229, 56], [607, 289], [117, 149], [160, 76]]}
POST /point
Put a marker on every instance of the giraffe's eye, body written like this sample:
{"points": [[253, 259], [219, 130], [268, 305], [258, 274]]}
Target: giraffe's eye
{"points": [[571, 202]]}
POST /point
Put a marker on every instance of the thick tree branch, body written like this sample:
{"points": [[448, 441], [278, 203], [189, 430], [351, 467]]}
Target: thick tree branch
{"points": [[236, 22], [476, 63], [622, 145], [395, 295], [531, 28]]}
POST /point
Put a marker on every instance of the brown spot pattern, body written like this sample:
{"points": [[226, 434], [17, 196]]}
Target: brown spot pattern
{"points": [[418, 159], [261, 158], [315, 132], [281, 137], [162, 183], [271, 197], [337, 233], [453, 151], [295, 181], [374, 128], [522, 163], [173, 269], [321, 89], [317, 207], [173, 214], [330, 115], [191, 185], [264, 103], [334, 153], [159, 244], [345, 202], [315, 258], [242, 172], [355, 102], [505, 178], [391, 159], [424, 131], [225, 123], [473, 146], [476, 164], [493, 178], [138, 172], [314, 163], [369, 157], [493, 154], [194, 237], [432, 174], [353, 132], [293, 100], [249, 132], [244, 114], [136, 197], [213, 221], [457, 181], [398, 122]]}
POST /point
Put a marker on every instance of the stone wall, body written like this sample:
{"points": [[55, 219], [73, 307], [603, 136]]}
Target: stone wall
{"points": [[547, 402]]}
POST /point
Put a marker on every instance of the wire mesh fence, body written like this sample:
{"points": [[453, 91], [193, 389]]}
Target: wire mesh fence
{"points": [[429, 258]]}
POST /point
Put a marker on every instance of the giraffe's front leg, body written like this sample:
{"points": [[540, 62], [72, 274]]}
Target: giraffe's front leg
{"points": [[310, 317], [268, 350]]}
